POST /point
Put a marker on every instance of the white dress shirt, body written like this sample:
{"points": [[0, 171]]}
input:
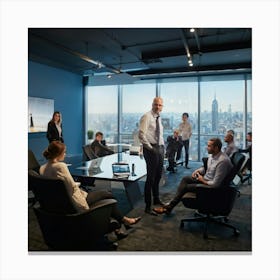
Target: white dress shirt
{"points": [[185, 130], [61, 171], [218, 167], [147, 130]]}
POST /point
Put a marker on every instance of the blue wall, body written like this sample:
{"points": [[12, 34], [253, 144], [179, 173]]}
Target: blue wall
{"points": [[66, 89]]}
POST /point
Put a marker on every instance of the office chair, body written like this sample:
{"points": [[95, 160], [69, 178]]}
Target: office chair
{"points": [[63, 228], [33, 164], [214, 205], [245, 173], [88, 153]]}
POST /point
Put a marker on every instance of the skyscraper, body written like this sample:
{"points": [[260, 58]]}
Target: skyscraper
{"points": [[215, 115]]}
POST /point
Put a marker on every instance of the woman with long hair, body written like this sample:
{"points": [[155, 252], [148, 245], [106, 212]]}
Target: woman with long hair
{"points": [[54, 132], [56, 168]]}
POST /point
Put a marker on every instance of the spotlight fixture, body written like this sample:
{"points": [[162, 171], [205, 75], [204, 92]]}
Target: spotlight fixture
{"points": [[188, 53], [192, 30]]}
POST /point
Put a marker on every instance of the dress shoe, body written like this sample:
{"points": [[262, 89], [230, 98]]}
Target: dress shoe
{"points": [[161, 210], [149, 211], [121, 235], [171, 169]]}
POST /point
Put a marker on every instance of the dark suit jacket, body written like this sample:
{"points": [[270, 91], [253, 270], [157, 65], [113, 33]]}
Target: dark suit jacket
{"points": [[100, 150], [173, 144], [52, 133]]}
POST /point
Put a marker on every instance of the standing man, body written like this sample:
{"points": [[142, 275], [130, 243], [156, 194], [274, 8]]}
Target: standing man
{"points": [[185, 130], [151, 136]]}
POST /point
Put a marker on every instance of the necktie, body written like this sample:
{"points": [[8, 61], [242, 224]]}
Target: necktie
{"points": [[157, 129]]}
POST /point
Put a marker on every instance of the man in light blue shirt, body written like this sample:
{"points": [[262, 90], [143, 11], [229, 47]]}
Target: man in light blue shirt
{"points": [[218, 167], [151, 136]]}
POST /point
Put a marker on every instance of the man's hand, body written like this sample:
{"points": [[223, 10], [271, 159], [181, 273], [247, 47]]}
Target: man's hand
{"points": [[195, 174]]}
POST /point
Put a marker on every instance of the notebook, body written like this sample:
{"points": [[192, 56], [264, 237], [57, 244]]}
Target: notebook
{"points": [[121, 169]]}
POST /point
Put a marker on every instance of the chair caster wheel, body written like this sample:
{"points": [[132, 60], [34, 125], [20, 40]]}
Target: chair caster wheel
{"points": [[236, 232]]}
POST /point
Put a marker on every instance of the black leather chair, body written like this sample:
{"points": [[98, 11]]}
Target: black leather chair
{"points": [[63, 228], [88, 153], [214, 205], [33, 164]]}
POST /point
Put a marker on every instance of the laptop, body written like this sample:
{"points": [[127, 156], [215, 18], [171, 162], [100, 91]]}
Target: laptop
{"points": [[121, 169]]}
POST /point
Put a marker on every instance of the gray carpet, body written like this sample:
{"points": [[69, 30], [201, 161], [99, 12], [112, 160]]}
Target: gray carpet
{"points": [[163, 233]]}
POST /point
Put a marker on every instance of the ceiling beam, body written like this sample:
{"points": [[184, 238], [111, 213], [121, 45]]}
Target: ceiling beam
{"points": [[194, 51], [194, 69]]}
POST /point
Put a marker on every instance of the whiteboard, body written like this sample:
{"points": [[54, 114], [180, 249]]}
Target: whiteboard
{"points": [[40, 111]]}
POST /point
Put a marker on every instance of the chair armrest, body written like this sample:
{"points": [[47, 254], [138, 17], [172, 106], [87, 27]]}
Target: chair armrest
{"points": [[79, 231], [102, 203]]}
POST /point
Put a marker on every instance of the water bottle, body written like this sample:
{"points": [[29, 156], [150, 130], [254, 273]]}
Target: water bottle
{"points": [[133, 169]]}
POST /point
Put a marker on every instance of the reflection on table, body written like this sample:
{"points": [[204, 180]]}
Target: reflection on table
{"points": [[102, 170]]}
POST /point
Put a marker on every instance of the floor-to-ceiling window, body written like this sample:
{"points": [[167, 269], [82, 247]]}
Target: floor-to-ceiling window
{"points": [[136, 100], [180, 96], [102, 108], [249, 107], [214, 103], [221, 109]]}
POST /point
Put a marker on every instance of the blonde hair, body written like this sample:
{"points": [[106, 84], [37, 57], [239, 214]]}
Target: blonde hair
{"points": [[54, 150]]}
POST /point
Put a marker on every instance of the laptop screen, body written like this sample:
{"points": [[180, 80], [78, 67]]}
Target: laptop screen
{"points": [[121, 169]]}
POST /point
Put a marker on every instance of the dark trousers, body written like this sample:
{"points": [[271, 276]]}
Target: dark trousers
{"points": [[171, 157], [187, 184], [186, 144], [95, 196], [154, 164]]}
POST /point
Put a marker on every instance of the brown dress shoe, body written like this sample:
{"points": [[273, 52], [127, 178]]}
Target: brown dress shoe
{"points": [[160, 210]]}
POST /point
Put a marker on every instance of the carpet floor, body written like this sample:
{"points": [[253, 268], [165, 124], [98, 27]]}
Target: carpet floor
{"points": [[162, 233]]}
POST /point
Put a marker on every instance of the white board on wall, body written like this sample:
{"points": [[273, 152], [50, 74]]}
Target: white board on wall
{"points": [[40, 111]]}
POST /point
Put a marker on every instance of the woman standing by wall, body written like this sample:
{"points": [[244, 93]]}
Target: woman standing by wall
{"points": [[54, 132]]}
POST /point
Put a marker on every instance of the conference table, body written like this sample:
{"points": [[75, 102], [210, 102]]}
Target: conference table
{"points": [[101, 169]]}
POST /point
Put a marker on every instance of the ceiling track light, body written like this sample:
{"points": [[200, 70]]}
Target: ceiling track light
{"points": [[192, 30], [186, 47]]}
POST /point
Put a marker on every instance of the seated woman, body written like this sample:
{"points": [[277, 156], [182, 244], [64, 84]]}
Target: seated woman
{"points": [[82, 200], [99, 146]]}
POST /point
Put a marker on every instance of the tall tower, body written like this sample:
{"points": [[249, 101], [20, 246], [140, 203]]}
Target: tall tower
{"points": [[215, 115]]}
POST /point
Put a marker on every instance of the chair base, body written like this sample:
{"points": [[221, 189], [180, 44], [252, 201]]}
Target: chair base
{"points": [[206, 219], [246, 178]]}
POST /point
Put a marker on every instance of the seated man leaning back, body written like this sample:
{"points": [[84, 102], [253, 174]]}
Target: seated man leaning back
{"points": [[99, 146], [218, 167]]}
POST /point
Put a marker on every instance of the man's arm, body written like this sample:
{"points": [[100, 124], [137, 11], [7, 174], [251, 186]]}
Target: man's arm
{"points": [[222, 170], [143, 131]]}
